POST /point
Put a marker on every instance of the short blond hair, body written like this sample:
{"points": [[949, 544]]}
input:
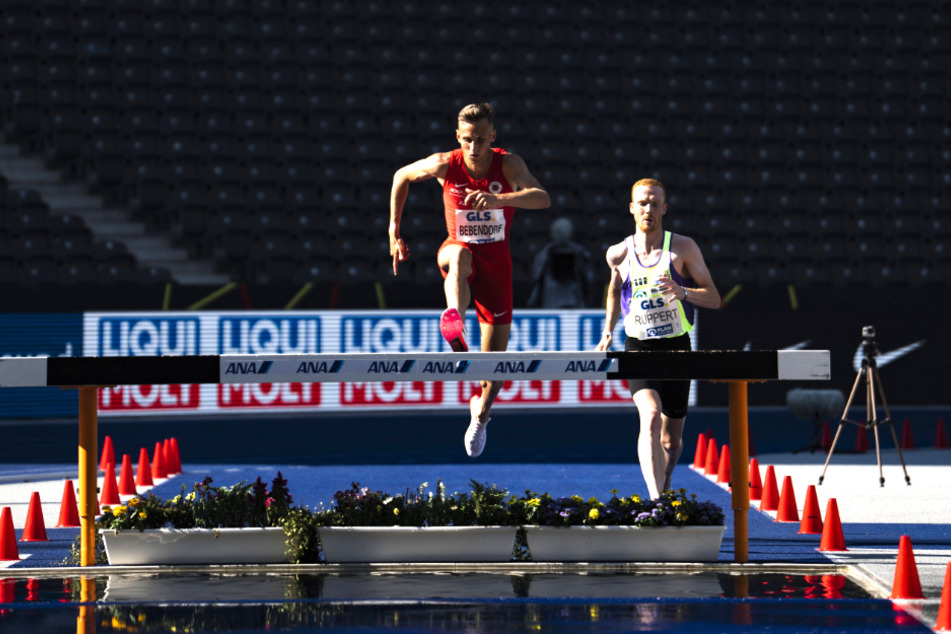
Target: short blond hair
{"points": [[649, 182], [475, 112]]}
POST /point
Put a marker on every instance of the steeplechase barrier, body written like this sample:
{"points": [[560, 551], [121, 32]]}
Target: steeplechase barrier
{"points": [[736, 368]]}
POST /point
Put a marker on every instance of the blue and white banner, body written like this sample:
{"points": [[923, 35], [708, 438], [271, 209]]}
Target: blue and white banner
{"points": [[343, 332]]}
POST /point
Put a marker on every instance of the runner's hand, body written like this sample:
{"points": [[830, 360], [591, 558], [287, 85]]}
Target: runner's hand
{"points": [[399, 251], [667, 286], [479, 200], [605, 343]]}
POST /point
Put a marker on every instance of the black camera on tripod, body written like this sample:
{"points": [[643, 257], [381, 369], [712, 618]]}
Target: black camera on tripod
{"points": [[869, 346], [873, 391]]}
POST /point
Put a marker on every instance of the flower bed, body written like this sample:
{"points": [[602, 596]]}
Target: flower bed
{"points": [[417, 515]]}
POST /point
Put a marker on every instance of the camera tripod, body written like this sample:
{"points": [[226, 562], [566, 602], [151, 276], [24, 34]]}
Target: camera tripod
{"points": [[873, 386]]}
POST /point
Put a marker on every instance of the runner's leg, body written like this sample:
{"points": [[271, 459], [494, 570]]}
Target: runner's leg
{"points": [[671, 440], [456, 261], [650, 454], [495, 338]]}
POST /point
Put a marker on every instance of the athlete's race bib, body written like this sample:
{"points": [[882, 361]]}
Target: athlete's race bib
{"points": [[476, 227], [651, 316]]}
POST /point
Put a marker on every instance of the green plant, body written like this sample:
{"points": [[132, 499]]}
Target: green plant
{"points": [[74, 555], [206, 506], [209, 506], [671, 508], [300, 530], [359, 506], [488, 505]]}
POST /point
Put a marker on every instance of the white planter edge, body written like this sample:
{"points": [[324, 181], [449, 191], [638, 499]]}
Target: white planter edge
{"points": [[681, 544], [429, 544], [163, 546]]}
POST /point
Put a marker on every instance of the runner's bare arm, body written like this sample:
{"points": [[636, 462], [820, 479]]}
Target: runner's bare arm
{"points": [[528, 194], [433, 166], [687, 259], [612, 310]]}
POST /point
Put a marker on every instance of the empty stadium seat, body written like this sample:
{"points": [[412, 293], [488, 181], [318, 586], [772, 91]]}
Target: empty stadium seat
{"points": [[808, 107]]}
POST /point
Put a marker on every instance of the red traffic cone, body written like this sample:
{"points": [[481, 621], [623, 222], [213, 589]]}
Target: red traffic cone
{"points": [[700, 455], [770, 499], [143, 476], [811, 520], [723, 470], [907, 442], [832, 537], [159, 472], [126, 479], [944, 611], [176, 457], [788, 511], [8, 538], [712, 463], [108, 453], [35, 528], [110, 491], [166, 456], [826, 435], [176, 466], [906, 584], [861, 439], [68, 510], [940, 436], [756, 485]]}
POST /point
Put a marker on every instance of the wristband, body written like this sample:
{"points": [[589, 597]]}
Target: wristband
{"points": [[685, 293]]}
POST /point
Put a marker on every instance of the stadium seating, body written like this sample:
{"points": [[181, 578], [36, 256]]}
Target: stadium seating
{"points": [[793, 139]]}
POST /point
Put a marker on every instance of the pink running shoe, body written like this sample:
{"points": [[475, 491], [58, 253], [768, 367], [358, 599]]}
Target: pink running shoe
{"points": [[451, 325]]}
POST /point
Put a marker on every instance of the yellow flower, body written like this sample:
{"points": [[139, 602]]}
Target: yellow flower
{"points": [[119, 510], [575, 498], [133, 502], [142, 515], [636, 499], [396, 511], [594, 514], [534, 502], [676, 503]]}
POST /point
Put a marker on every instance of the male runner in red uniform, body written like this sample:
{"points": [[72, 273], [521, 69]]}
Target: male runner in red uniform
{"points": [[481, 186]]}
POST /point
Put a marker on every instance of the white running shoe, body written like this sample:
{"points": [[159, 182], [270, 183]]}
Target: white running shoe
{"points": [[475, 437]]}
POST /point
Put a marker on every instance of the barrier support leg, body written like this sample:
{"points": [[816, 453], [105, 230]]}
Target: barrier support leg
{"points": [[88, 472], [740, 469]]}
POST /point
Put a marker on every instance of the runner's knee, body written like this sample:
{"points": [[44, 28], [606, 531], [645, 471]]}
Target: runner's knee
{"points": [[651, 421], [670, 443], [459, 261]]}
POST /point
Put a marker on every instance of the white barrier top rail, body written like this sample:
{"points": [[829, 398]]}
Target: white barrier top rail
{"points": [[714, 365]]}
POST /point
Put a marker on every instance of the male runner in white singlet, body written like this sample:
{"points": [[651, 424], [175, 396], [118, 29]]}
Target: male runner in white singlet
{"points": [[658, 278]]}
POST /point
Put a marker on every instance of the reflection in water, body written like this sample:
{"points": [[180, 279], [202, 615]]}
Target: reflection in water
{"points": [[471, 602], [86, 619]]}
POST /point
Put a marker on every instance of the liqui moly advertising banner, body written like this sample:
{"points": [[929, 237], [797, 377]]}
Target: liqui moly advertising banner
{"points": [[149, 335], [372, 332]]}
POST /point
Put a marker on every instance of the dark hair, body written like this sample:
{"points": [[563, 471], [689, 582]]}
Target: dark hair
{"points": [[476, 112]]}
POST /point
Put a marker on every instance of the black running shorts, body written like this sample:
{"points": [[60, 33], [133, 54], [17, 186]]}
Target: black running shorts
{"points": [[674, 395]]}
